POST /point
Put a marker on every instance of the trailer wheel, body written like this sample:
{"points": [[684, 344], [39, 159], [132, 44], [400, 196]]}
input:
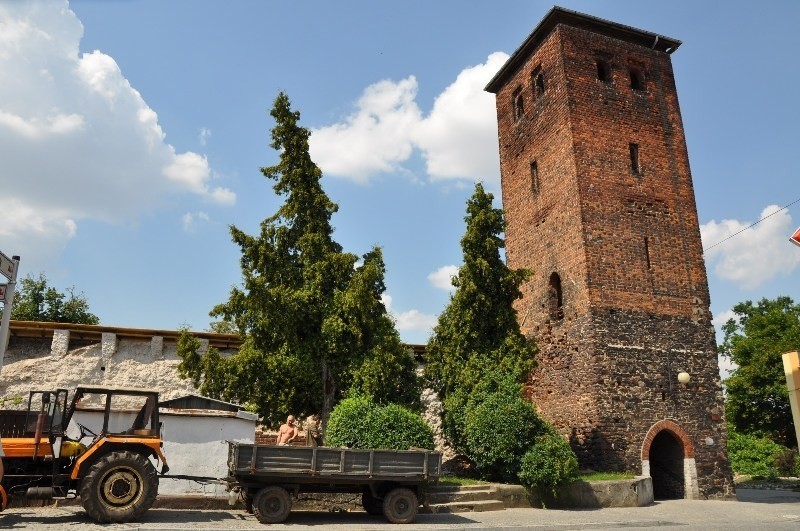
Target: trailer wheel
{"points": [[400, 506], [371, 504], [272, 505], [119, 487]]}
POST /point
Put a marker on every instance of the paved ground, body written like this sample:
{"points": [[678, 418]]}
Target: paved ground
{"points": [[756, 509]]}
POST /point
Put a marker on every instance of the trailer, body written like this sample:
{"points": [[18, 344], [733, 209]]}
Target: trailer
{"points": [[391, 482]]}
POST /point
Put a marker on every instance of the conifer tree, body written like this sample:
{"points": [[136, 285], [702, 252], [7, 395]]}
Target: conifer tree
{"points": [[311, 314], [477, 337]]}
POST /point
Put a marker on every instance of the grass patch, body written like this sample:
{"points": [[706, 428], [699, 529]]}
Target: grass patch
{"points": [[606, 476], [459, 482]]}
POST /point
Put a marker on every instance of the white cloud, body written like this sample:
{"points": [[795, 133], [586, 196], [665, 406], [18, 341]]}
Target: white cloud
{"points": [[755, 255], [205, 134], [190, 220], [38, 237], [376, 138], [442, 278], [77, 141], [410, 321], [458, 140]]}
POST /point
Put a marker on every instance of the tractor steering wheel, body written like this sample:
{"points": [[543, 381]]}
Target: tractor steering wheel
{"points": [[84, 431]]}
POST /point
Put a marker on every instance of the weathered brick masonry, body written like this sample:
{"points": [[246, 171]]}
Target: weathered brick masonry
{"points": [[599, 202]]}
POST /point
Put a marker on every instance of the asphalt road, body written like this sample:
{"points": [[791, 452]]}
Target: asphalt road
{"points": [[756, 509]]}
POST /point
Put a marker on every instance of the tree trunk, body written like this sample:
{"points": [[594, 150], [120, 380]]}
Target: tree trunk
{"points": [[328, 392]]}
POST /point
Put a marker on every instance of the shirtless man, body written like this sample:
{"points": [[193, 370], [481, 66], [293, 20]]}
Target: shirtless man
{"points": [[288, 432]]}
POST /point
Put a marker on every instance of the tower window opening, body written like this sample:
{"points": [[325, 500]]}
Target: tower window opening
{"points": [[603, 71], [535, 178], [538, 82], [555, 298], [637, 79], [635, 165], [519, 104], [647, 252]]}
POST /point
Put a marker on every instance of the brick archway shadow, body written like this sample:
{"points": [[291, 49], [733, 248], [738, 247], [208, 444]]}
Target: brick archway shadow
{"points": [[691, 487]]}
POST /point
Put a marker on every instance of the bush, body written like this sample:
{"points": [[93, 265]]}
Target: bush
{"points": [[753, 455], [786, 464], [550, 463], [498, 432], [359, 422], [461, 400]]}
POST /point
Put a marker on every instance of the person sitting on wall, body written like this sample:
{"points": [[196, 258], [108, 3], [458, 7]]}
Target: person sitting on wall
{"points": [[287, 432], [313, 431]]}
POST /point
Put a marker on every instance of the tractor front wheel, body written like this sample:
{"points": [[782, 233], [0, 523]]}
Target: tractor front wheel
{"points": [[119, 487]]}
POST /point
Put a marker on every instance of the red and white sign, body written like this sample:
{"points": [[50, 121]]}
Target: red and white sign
{"points": [[2, 292], [795, 238], [6, 267]]}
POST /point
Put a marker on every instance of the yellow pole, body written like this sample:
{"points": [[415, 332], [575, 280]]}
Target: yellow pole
{"points": [[791, 366]]}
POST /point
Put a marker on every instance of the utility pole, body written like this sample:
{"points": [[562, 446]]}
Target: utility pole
{"points": [[8, 268]]}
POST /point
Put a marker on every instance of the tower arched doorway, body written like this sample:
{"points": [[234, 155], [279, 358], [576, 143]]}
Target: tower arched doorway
{"points": [[668, 458]]}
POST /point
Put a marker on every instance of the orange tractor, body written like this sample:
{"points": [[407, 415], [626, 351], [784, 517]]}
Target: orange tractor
{"points": [[55, 455]]}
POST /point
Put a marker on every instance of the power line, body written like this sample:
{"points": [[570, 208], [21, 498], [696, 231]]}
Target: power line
{"points": [[753, 225]]}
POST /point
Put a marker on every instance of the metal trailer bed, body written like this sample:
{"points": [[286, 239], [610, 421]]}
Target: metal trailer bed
{"points": [[391, 482]]}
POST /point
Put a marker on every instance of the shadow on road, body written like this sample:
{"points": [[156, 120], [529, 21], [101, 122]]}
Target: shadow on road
{"points": [[767, 496]]}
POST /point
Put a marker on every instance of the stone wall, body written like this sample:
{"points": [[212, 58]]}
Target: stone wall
{"points": [[89, 355]]}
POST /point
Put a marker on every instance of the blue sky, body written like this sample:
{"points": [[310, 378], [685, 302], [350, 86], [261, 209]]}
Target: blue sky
{"points": [[132, 132]]}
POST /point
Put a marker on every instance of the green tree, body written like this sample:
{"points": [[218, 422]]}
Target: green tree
{"points": [[756, 400], [35, 300], [477, 334], [311, 314]]}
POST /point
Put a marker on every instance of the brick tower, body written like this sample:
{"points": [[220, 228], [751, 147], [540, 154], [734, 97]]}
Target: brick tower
{"points": [[600, 205]]}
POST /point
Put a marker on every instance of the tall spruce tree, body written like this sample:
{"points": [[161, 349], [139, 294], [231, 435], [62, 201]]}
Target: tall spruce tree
{"points": [[477, 336], [311, 314]]}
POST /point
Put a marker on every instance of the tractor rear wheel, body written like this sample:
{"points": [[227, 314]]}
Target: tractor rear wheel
{"points": [[119, 487]]}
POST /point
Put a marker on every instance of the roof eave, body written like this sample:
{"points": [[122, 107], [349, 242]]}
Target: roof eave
{"points": [[559, 15]]}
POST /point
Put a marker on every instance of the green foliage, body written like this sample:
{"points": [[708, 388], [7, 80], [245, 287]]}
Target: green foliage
{"points": [[606, 476], [14, 400], [753, 455], [550, 463], [756, 400], [460, 401], [498, 431], [360, 422], [311, 314], [786, 464], [477, 336], [35, 300]]}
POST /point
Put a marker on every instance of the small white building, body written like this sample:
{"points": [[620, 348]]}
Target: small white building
{"points": [[196, 431]]}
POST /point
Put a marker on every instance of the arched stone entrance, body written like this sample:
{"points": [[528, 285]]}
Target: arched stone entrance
{"points": [[668, 458]]}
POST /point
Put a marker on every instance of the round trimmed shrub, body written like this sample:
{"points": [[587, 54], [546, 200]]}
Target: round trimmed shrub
{"points": [[550, 463], [498, 432], [359, 422]]}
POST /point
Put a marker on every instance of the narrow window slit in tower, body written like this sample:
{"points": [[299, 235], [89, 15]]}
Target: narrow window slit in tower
{"points": [[519, 104], [647, 252], [635, 166], [603, 71], [535, 178], [637, 79]]}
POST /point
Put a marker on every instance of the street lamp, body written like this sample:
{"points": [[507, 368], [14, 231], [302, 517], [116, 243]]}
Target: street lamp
{"points": [[683, 376]]}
